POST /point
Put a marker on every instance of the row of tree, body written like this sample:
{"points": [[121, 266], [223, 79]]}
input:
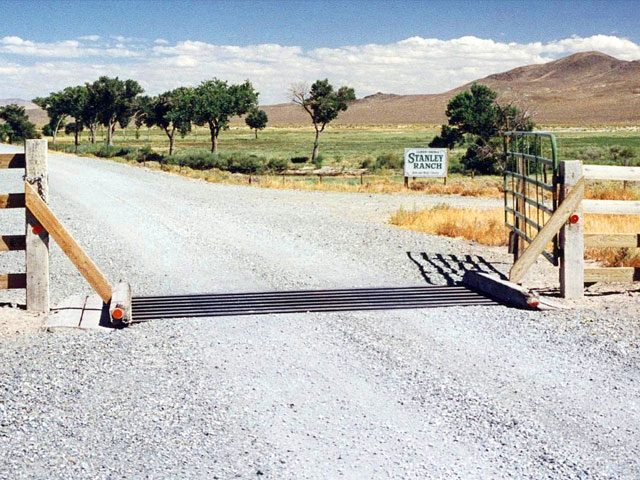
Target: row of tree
{"points": [[111, 102]]}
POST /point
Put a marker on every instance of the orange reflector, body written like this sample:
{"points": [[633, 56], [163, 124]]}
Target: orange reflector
{"points": [[37, 229], [533, 303], [117, 314], [574, 218]]}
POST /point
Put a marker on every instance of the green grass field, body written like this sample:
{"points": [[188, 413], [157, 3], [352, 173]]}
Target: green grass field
{"points": [[350, 146]]}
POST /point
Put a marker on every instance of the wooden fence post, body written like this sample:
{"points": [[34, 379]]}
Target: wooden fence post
{"points": [[37, 239], [571, 237]]}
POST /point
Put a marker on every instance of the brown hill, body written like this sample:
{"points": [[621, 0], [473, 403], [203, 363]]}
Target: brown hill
{"points": [[582, 89]]}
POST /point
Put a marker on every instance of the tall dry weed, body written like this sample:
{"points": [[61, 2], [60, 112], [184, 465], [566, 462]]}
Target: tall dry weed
{"points": [[487, 227]]}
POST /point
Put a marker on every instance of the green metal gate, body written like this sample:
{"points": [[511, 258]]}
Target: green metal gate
{"points": [[531, 188]]}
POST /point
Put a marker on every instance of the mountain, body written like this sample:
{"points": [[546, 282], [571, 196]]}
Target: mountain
{"points": [[35, 113], [587, 88], [583, 89], [17, 101]]}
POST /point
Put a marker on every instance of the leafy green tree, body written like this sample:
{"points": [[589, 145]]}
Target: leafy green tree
{"points": [[114, 101], [84, 115], [5, 132], [215, 102], [55, 105], [449, 137], [476, 114], [323, 105], [172, 111], [18, 127], [256, 119]]}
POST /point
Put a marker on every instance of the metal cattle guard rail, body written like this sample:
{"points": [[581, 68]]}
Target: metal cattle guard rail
{"points": [[301, 301]]}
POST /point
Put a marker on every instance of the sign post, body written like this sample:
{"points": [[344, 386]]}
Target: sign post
{"points": [[426, 163]]}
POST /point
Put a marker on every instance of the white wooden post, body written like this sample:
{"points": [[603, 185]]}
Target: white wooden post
{"points": [[37, 240], [571, 237]]}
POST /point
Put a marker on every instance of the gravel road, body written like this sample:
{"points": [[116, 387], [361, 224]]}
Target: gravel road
{"points": [[467, 392]]}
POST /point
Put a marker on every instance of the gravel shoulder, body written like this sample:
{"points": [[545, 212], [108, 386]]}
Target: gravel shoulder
{"points": [[443, 393]]}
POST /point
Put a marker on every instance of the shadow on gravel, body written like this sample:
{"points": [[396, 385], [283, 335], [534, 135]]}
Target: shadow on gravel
{"points": [[19, 306], [438, 269]]}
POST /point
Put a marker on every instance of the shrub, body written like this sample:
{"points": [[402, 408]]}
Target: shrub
{"points": [[240, 163], [388, 161], [278, 164], [299, 159], [592, 154], [232, 162], [198, 160], [318, 161]]}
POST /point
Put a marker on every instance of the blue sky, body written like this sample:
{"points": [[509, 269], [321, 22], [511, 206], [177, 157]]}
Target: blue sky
{"points": [[373, 46]]}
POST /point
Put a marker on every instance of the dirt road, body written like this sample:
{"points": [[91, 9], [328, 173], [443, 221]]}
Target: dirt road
{"points": [[474, 392]]}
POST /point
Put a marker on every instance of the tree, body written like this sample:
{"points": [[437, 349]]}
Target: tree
{"points": [[215, 102], [476, 114], [56, 107], [322, 104], [256, 119], [5, 133], [114, 102], [18, 127], [172, 111]]}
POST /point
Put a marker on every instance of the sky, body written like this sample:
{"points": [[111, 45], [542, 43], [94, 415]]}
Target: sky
{"points": [[396, 46]]}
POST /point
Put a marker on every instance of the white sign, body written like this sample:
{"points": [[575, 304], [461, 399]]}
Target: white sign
{"points": [[426, 162]]}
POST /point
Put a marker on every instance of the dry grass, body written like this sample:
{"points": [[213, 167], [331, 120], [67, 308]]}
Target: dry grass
{"points": [[482, 226], [489, 186], [612, 191], [487, 227]]}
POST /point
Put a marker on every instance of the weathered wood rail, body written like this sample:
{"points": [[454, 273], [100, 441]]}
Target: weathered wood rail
{"points": [[611, 239], [40, 224], [35, 241]]}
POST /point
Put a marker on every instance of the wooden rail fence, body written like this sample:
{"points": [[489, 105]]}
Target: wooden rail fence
{"points": [[40, 224], [35, 241]]}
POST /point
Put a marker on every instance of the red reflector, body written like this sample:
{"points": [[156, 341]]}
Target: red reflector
{"points": [[574, 218], [117, 314], [37, 229]]}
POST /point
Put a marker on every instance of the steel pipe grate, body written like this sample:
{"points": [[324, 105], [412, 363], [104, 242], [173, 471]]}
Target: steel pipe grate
{"points": [[301, 301]]}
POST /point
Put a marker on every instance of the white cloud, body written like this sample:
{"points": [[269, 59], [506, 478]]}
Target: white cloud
{"points": [[91, 38], [413, 65]]}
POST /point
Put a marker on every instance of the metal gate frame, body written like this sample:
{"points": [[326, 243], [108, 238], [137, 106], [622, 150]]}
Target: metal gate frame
{"points": [[531, 188]]}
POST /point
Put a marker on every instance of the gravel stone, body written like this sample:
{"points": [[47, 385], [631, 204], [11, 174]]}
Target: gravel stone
{"points": [[465, 392]]}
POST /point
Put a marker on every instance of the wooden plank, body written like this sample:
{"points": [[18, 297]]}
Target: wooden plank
{"points": [[572, 235], [550, 229], [503, 290], [67, 243], [12, 242], [612, 207], [37, 242], [612, 274], [12, 280], [610, 172], [625, 240], [12, 200], [12, 160]]}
